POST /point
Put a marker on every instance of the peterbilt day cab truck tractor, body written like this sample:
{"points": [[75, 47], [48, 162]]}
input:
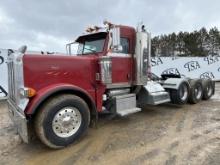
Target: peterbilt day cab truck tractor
{"points": [[59, 96]]}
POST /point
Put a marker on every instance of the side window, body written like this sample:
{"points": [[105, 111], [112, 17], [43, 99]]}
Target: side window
{"points": [[125, 45]]}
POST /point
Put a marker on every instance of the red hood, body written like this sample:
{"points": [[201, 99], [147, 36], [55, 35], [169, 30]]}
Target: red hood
{"points": [[43, 70]]}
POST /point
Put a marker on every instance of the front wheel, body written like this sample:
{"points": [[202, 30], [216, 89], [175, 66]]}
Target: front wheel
{"points": [[62, 120]]}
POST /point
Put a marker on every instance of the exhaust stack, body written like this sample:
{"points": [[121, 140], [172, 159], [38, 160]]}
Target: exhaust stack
{"points": [[142, 55]]}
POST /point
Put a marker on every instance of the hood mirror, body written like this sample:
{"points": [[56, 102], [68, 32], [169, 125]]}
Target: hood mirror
{"points": [[22, 49]]}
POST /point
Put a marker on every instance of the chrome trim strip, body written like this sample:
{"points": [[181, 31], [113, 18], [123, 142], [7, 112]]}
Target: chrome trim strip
{"points": [[16, 80], [105, 63], [118, 85], [119, 55]]}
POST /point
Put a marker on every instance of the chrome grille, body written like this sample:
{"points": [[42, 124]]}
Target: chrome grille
{"points": [[16, 80], [11, 81]]}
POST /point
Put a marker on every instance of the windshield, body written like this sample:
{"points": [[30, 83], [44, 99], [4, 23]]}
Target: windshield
{"points": [[87, 44], [92, 43], [91, 46]]}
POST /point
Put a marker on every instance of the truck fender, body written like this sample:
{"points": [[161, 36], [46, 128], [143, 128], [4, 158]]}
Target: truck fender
{"points": [[174, 83], [47, 92]]}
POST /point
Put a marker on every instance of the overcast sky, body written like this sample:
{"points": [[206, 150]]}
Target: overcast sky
{"points": [[49, 24]]}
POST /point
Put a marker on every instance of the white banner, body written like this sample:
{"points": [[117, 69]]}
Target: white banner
{"points": [[3, 73], [194, 67]]}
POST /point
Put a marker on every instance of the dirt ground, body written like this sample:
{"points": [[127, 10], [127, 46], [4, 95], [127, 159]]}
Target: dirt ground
{"points": [[164, 134]]}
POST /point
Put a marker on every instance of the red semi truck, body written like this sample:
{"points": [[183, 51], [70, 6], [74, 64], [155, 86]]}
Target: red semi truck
{"points": [[59, 96]]}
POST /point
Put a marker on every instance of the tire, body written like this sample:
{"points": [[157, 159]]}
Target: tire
{"points": [[208, 89], [181, 95], [62, 120], [196, 91]]}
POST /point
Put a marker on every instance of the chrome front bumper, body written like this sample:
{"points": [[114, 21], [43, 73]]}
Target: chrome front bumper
{"points": [[19, 120]]}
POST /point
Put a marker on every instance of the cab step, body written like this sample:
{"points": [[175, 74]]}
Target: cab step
{"points": [[125, 104], [126, 112]]}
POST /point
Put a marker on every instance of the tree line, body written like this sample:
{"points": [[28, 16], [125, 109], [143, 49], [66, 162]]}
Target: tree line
{"points": [[197, 43]]}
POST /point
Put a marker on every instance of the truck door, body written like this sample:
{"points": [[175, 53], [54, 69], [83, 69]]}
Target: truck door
{"points": [[122, 64]]}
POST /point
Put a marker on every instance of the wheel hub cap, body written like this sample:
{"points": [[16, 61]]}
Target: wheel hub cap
{"points": [[209, 89], [198, 92], [183, 92], [66, 122]]}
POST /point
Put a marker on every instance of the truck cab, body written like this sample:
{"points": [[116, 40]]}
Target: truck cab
{"points": [[59, 96]]}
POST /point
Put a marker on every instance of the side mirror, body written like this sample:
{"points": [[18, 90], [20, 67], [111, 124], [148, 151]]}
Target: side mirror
{"points": [[116, 40], [117, 48]]}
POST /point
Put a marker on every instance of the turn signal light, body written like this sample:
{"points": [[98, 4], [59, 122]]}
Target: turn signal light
{"points": [[31, 92], [28, 92]]}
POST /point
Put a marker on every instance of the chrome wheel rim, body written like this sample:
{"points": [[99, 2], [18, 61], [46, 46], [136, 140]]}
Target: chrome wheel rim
{"points": [[198, 92], [66, 122], [183, 92], [209, 89]]}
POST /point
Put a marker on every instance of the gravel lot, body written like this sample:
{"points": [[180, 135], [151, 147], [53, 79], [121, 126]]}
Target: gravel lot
{"points": [[164, 134]]}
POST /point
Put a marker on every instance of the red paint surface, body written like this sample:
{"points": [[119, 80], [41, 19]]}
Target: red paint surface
{"points": [[41, 72], [121, 69]]}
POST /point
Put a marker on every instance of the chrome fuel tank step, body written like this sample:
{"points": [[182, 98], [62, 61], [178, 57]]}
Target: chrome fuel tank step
{"points": [[125, 104], [125, 112]]}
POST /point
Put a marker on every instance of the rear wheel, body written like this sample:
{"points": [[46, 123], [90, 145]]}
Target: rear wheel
{"points": [[181, 95], [62, 120], [196, 91], [208, 89]]}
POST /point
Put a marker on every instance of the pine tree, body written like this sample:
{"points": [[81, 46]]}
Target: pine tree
{"points": [[197, 43], [213, 41]]}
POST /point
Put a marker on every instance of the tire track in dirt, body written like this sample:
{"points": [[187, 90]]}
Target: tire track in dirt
{"points": [[86, 147], [162, 134], [201, 151], [176, 148], [174, 141], [179, 138]]}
